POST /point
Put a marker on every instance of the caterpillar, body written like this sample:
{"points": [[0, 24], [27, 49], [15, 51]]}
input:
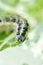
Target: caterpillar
{"points": [[22, 25]]}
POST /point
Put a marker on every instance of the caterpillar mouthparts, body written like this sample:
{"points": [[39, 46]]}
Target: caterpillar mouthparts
{"points": [[21, 23]]}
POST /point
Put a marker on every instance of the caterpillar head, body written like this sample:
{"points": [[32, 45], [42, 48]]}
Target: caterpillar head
{"points": [[21, 38]]}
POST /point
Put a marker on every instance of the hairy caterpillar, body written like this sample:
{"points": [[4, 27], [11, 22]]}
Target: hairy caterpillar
{"points": [[22, 25]]}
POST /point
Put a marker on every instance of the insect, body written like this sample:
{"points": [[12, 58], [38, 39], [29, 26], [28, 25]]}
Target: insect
{"points": [[22, 25]]}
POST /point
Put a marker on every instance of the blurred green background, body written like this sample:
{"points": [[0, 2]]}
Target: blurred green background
{"points": [[34, 8]]}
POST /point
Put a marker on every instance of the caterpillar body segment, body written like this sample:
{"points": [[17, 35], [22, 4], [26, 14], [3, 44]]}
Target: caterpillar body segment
{"points": [[15, 20]]}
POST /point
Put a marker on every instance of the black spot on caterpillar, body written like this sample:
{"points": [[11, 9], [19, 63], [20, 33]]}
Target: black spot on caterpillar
{"points": [[21, 22]]}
